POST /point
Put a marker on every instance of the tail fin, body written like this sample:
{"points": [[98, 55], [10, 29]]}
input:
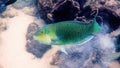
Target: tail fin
{"points": [[96, 26]]}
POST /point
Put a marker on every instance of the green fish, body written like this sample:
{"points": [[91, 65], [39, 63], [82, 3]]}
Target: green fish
{"points": [[67, 32]]}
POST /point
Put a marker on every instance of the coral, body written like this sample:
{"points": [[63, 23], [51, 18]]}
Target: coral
{"points": [[52, 11]]}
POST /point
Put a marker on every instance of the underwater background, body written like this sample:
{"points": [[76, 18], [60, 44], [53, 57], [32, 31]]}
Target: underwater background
{"points": [[20, 20]]}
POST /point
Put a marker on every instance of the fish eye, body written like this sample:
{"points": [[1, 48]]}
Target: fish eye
{"points": [[42, 31]]}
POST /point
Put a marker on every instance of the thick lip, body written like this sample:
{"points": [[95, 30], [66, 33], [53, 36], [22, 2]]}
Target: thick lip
{"points": [[48, 39], [34, 37]]}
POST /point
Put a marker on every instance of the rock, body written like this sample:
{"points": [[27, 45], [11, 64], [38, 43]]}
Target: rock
{"points": [[60, 10], [67, 10], [4, 3], [34, 46], [56, 11], [110, 17], [10, 2]]}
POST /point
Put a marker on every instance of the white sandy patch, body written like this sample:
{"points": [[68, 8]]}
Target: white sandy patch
{"points": [[13, 52]]}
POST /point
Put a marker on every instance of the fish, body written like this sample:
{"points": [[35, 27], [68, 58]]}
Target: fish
{"points": [[67, 33]]}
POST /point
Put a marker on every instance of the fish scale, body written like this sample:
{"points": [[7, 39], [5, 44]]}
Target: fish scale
{"points": [[71, 32]]}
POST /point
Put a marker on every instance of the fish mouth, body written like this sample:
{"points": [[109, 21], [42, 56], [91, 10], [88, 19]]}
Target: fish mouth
{"points": [[35, 38], [44, 39]]}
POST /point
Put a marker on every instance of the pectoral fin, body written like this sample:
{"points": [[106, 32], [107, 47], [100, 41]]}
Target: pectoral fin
{"points": [[63, 49]]}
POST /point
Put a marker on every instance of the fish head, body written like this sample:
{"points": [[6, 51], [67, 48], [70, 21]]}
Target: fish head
{"points": [[42, 36]]}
